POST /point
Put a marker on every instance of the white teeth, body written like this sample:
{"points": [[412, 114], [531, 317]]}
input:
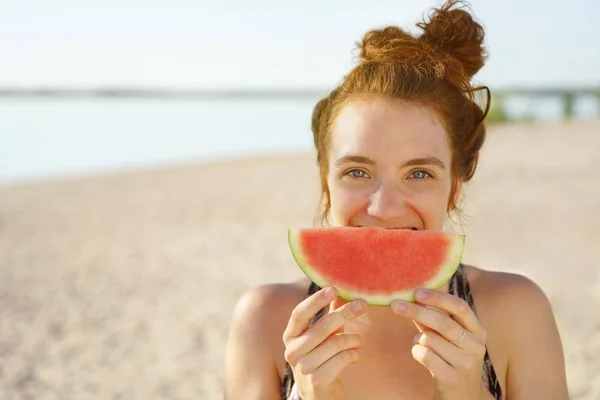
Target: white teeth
{"points": [[411, 228]]}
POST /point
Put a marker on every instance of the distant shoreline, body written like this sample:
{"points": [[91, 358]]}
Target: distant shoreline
{"points": [[122, 92], [243, 93]]}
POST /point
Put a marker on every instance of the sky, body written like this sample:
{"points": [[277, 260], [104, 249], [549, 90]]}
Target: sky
{"points": [[260, 43]]}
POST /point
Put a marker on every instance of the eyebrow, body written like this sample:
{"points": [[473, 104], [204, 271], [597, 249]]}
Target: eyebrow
{"points": [[425, 161], [354, 159], [410, 163]]}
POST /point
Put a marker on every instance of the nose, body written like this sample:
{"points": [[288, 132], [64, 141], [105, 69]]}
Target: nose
{"points": [[388, 203]]}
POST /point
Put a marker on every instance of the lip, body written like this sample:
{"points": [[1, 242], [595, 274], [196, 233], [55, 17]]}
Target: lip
{"points": [[408, 228]]}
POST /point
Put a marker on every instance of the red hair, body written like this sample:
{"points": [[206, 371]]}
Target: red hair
{"points": [[434, 69]]}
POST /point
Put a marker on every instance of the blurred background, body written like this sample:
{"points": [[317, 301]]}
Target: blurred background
{"points": [[153, 154]]}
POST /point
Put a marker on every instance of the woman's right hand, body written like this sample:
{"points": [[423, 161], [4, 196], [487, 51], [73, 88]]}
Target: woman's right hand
{"points": [[318, 354]]}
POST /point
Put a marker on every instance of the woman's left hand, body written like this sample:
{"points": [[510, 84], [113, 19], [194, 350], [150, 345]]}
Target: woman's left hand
{"points": [[451, 343]]}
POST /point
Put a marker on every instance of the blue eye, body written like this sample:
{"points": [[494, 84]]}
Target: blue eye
{"points": [[357, 173], [420, 174]]}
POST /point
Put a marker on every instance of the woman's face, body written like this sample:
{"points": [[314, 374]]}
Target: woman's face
{"points": [[389, 166]]}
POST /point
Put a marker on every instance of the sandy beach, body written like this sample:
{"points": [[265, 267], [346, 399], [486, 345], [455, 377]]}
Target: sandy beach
{"points": [[121, 286]]}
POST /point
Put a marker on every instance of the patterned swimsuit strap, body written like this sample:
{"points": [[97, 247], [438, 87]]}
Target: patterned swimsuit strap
{"points": [[459, 286], [287, 384]]}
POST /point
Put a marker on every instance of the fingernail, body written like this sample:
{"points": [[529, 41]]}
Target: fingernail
{"points": [[417, 338], [421, 293], [358, 306], [399, 306], [417, 351], [329, 292]]}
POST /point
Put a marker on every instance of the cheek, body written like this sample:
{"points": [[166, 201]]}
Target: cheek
{"points": [[431, 203], [346, 201]]}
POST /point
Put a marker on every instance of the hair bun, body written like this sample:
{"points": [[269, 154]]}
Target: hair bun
{"points": [[453, 31], [381, 45]]}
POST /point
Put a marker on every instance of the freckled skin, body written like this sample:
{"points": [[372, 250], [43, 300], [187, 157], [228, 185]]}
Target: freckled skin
{"points": [[386, 192]]}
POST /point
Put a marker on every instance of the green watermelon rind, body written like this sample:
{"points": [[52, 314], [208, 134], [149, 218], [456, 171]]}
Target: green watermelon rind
{"points": [[446, 270]]}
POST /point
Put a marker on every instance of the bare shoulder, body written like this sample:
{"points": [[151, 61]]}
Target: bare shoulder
{"points": [[254, 353], [505, 299], [522, 333], [506, 290], [265, 301], [263, 311]]}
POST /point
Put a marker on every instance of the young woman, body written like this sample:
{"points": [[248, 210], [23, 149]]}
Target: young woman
{"points": [[395, 143]]}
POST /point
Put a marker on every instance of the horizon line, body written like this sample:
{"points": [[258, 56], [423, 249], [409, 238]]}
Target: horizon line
{"points": [[108, 91]]}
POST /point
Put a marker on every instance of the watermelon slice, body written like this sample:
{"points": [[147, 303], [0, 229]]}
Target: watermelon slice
{"points": [[376, 264]]}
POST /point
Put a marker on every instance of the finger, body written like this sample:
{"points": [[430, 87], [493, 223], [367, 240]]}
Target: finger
{"points": [[334, 305], [325, 327], [326, 350], [453, 305], [421, 328], [432, 319], [439, 368], [451, 354], [332, 368], [303, 312]]}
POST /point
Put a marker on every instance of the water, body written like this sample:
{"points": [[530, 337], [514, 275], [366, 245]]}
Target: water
{"points": [[550, 108], [48, 138], [52, 138]]}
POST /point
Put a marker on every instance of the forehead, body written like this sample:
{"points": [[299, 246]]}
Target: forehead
{"points": [[376, 127]]}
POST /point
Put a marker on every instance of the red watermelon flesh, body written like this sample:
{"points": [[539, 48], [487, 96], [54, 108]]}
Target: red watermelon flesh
{"points": [[376, 264]]}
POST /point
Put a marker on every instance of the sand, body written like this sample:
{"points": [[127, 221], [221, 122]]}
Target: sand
{"points": [[121, 286]]}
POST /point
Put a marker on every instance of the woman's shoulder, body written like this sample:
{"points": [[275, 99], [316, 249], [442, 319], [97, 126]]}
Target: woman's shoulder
{"points": [[505, 289], [523, 336], [261, 316], [269, 300], [501, 297]]}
